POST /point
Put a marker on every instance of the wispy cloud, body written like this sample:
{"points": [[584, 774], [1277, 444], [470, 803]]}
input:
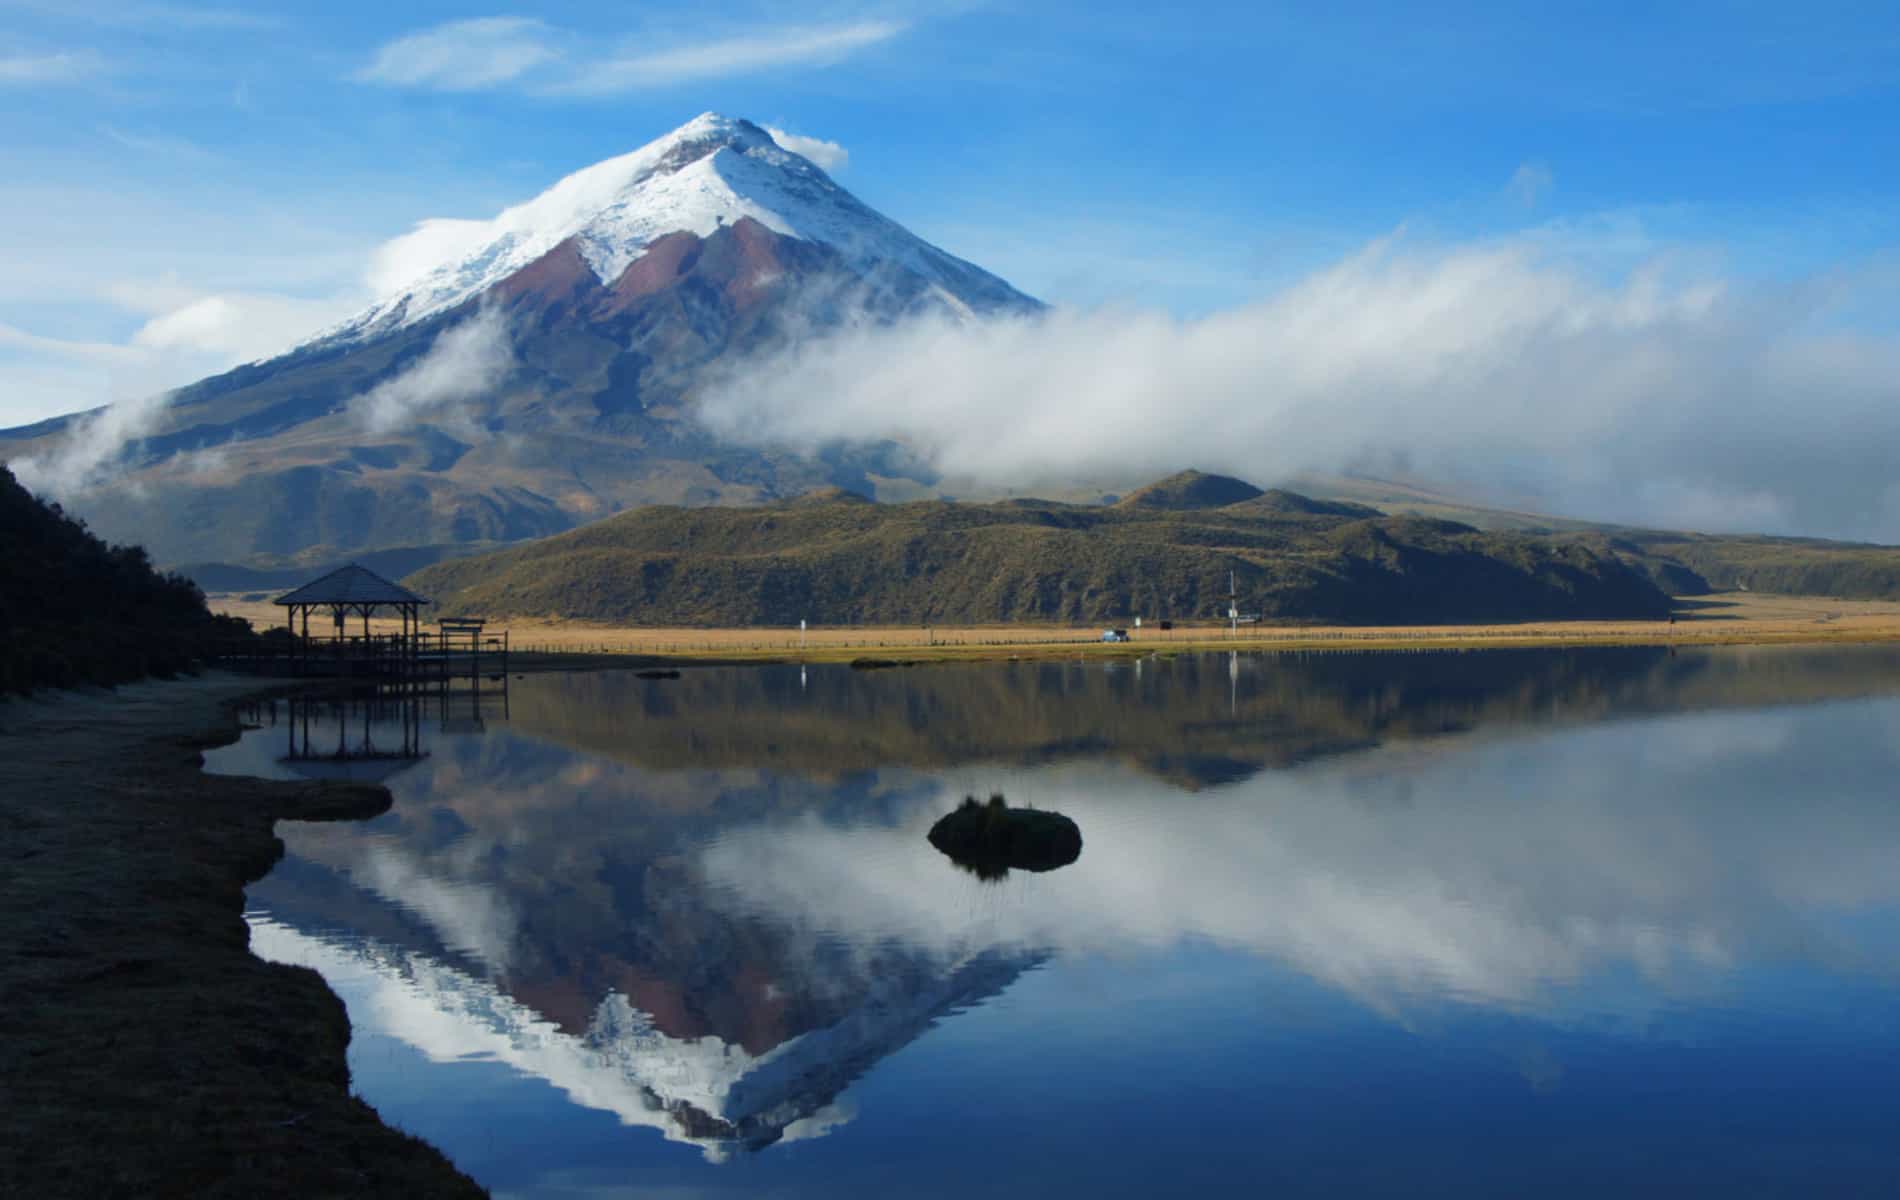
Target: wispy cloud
{"points": [[187, 334], [190, 334], [231, 327], [808, 46], [192, 16], [828, 155], [63, 67], [161, 145], [92, 450], [463, 55], [138, 14], [1530, 183], [490, 52], [14, 338], [465, 362]]}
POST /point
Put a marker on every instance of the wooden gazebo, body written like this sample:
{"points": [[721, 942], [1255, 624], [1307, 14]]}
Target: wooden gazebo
{"points": [[359, 590]]}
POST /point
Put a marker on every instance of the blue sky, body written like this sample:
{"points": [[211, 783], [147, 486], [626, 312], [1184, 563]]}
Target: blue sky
{"points": [[187, 186]]}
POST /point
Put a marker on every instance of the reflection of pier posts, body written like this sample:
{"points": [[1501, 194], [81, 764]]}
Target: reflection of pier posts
{"points": [[357, 754], [463, 648]]}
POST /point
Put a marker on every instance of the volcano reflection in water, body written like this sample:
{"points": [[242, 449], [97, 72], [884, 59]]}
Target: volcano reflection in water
{"points": [[707, 906]]}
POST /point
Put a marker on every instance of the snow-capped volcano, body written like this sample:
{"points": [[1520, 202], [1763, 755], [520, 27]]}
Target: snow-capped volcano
{"points": [[526, 373], [712, 172]]}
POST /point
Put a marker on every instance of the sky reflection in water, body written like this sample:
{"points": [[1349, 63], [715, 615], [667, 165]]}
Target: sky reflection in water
{"points": [[1492, 922]]}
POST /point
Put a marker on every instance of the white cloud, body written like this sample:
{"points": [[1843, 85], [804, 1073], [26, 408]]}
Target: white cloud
{"points": [[807, 46], [830, 156], [239, 327], [160, 145], [189, 334], [135, 14], [64, 67], [403, 260], [14, 338], [464, 363], [463, 55], [1530, 183], [490, 52], [45, 386], [91, 449], [188, 16], [1639, 397], [152, 297]]}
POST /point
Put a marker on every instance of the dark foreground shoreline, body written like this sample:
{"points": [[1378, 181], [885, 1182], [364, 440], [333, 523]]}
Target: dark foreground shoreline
{"points": [[144, 1050]]}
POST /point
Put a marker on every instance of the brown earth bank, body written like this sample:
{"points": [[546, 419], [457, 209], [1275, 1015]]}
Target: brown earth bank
{"points": [[146, 1051]]}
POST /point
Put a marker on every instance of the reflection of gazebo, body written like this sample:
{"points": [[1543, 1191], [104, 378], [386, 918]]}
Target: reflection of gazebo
{"points": [[356, 589], [359, 756]]}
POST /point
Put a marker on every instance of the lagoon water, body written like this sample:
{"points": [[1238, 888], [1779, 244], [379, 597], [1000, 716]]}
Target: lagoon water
{"points": [[1491, 923]]}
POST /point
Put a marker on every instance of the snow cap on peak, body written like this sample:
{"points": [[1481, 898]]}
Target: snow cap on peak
{"points": [[712, 124], [712, 171], [710, 132]]}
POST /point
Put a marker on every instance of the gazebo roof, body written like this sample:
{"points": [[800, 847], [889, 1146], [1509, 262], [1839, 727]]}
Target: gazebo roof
{"points": [[350, 585]]}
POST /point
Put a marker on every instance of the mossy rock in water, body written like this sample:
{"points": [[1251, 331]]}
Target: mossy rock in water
{"points": [[992, 839]]}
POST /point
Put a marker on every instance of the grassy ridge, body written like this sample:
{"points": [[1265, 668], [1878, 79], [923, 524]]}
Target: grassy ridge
{"points": [[842, 561], [1693, 563]]}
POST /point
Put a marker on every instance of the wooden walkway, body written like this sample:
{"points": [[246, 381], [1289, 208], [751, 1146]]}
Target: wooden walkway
{"points": [[452, 652]]}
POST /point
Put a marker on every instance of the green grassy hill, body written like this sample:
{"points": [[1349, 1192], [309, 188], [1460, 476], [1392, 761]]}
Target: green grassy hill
{"points": [[838, 560]]}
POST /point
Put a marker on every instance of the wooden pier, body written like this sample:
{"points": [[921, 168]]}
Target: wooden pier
{"points": [[457, 648]]}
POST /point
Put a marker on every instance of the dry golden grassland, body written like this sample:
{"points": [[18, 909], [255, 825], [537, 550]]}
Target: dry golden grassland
{"points": [[1732, 618]]}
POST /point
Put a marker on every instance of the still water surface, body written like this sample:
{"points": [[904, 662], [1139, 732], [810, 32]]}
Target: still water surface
{"points": [[1495, 923]]}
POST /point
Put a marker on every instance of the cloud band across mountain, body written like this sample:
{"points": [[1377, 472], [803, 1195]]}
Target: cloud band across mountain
{"points": [[1645, 398]]}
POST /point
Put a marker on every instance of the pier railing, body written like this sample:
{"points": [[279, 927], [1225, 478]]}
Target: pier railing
{"points": [[426, 655]]}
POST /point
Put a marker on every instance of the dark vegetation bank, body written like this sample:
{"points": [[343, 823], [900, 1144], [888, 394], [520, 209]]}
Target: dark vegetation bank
{"points": [[74, 610], [147, 1051]]}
